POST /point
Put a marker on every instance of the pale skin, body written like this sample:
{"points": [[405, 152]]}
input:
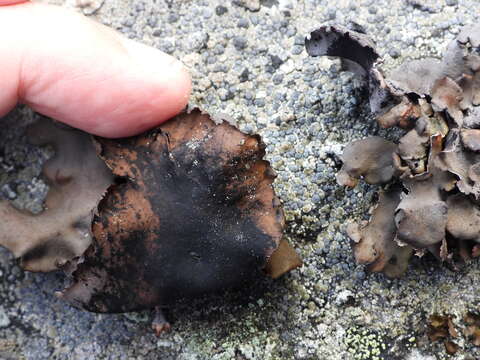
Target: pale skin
{"points": [[86, 75]]}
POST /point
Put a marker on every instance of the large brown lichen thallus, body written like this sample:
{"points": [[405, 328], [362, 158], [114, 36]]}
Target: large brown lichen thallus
{"points": [[194, 212]]}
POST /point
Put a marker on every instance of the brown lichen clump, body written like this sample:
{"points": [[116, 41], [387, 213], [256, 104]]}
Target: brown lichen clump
{"points": [[374, 240], [432, 177], [370, 159], [472, 328], [441, 327], [182, 210]]}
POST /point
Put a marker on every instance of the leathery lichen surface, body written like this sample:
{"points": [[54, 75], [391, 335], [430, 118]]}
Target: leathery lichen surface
{"points": [[247, 60]]}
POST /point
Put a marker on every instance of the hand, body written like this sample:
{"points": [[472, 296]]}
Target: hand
{"points": [[84, 74]]}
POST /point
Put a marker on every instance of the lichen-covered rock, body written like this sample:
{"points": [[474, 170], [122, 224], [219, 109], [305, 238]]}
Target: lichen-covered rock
{"points": [[437, 161], [358, 54]]}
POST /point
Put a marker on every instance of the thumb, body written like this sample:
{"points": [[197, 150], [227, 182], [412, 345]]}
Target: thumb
{"points": [[84, 74]]}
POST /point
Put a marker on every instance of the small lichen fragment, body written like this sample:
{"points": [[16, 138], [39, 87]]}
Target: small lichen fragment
{"points": [[373, 243], [471, 139], [283, 259], [370, 159], [413, 152], [472, 329], [446, 96], [421, 216], [441, 327], [463, 218], [77, 179], [360, 53], [463, 163]]}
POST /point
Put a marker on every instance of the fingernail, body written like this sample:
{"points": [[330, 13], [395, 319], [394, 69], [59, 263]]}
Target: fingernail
{"points": [[151, 59]]}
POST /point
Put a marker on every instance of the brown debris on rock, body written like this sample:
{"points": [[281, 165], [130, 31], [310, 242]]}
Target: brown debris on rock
{"points": [[441, 327], [194, 212], [472, 329], [436, 162], [77, 179]]}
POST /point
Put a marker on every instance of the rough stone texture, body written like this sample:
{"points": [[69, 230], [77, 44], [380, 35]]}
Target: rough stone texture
{"points": [[252, 66]]}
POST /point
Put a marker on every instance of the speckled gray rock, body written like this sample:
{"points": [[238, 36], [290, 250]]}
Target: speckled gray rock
{"points": [[4, 320], [306, 111]]}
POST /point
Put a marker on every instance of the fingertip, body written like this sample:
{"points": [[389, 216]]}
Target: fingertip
{"points": [[166, 76], [160, 87], [178, 92], [87, 75], [176, 97]]}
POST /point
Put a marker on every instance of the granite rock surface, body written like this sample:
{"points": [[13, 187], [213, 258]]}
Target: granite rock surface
{"points": [[247, 60]]}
